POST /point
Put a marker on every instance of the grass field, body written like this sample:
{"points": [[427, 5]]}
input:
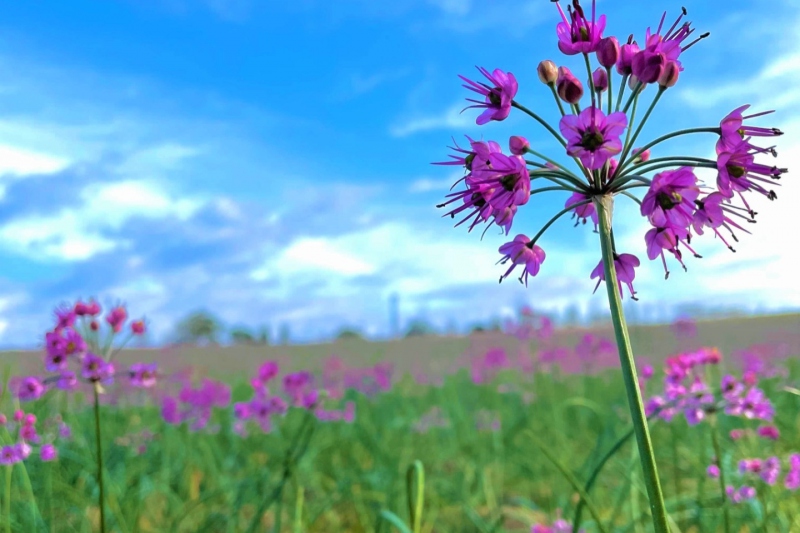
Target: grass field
{"points": [[506, 441]]}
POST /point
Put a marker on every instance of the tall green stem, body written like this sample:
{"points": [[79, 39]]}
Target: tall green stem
{"points": [[718, 452], [604, 206], [99, 450], [9, 468]]}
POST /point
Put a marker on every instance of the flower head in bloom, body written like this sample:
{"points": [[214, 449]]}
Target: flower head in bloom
{"points": [[624, 264], [733, 131], [592, 136], [579, 35], [95, 369], [520, 252], [48, 452], [138, 327], [116, 317], [670, 199], [31, 388], [498, 96], [143, 375], [9, 455]]}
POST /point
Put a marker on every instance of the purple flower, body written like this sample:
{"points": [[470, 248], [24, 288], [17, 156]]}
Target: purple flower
{"points": [[31, 388], [608, 51], [769, 432], [498, 96], [48, 453], [579, 35], [143, 374], [626, 54], [582, 212], [733, 132], [592, 136], [9, 455], [267, 371], [624, 264], [67, 380], [667, 238], [521, 253], [568, 87], [670, 198], [96, 369], [738, 172], [712, 471]]}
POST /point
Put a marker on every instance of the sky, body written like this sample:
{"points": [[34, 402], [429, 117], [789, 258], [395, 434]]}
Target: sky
{"points": [[269, 162]]}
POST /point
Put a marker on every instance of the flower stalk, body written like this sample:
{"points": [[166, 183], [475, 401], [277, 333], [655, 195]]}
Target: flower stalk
{"points": [[99, 451], [604, 206]]}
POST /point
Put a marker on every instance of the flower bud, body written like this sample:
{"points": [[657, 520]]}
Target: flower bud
{"points": [[633, 81], [548, 72], [93, 325], [669, 77], [518, 145], [568, 86], [648, 66], [600, 80], [137, 327], [608, 51], [625, 59], [639, 156]]}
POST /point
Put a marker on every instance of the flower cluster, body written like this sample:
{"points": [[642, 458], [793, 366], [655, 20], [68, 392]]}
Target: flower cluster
{"points": [[687, 390], [559, 525], [297, 390], [766, 470], [28, 436], [676, 204], [75, 352], [195, 406]]}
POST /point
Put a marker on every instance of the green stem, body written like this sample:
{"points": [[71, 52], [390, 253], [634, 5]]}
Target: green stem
{"points": [[604, 206], [718, 452], [540, 121], [622, 86], [628, 145], [558, 100], [637, 89], [50, 497], [610, 84], [684, 162], [99, 450], [559, 215], [591, 79], [630, 126], [670, 136], [8, 498], [564, 169]]}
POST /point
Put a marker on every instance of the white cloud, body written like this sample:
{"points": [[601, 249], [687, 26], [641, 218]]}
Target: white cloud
{"points": [[452, 119], [440, 184], [19, 161], [75, 233]]}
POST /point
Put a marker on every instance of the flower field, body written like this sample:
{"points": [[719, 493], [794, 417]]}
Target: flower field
{"points": [[508, 431]]}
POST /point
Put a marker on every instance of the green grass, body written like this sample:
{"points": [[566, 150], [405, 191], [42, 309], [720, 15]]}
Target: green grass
{"points": [[351, 477]]}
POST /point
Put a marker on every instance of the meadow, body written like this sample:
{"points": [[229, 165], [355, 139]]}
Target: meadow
{"points": [[492, 432]]}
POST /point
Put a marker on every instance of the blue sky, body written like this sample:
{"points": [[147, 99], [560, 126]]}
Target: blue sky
{"points": [[269, 161]]}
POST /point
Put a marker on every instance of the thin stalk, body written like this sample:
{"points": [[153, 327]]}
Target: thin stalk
{"points": [[553, 162], [675, 163], [8, 498], [675, 134], [591, 79], [718, 452], [604, 206], [608, 90], [622, 86], [556, 217], [50, 497], [637, 89], [630, 126], [627, 148], [558, 100], [540, 121], [99, 450]]}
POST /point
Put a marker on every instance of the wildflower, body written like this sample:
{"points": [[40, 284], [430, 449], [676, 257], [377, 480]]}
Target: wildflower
{"points": [[96, 369], [68, 380], [137, 327], [31, 388], [568, 87], [713, 471], [592, 136], [670, 198], [625, 60], [738, 172], [624, 264], [547, 72], [600, 80], [116, 317], [518, 145], [733, 131], [143, 374], [48, 453], [9, 455], [579, 35], [522, 253], [769, 432], [608, 51], [498, 96]]}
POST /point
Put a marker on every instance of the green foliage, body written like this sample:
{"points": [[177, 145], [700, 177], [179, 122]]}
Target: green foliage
{"points": [[199, 326]]}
